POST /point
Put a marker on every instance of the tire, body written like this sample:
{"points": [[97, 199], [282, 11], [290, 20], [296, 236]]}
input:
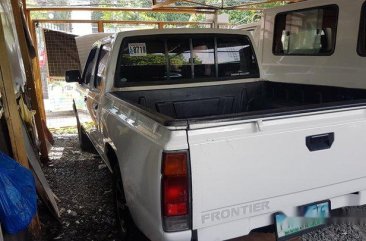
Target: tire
{"points": [[123, 216], [125, 224], [85, 144]]}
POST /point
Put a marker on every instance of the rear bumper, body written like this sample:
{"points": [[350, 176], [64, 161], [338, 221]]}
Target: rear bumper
{"points": [[288, 204], [238, 228], [178, 236]]}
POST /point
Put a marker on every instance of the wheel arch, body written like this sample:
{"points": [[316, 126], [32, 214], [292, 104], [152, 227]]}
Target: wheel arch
{"points": [[76, 113], [111, 154]]}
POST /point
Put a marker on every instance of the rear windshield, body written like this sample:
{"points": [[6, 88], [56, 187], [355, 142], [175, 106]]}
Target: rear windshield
{"points": [[171, 59]]}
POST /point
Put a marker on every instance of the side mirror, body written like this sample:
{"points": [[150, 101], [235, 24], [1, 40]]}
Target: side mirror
{"points": [[73, 76]]}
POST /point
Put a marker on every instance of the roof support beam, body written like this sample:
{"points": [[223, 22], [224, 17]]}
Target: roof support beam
{"points": [[161, 10], [56, 21], [253, 6], [162, 3], [203, 4], [163, 7]]}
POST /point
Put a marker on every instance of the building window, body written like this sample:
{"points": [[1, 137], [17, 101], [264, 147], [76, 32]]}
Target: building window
{"points": [[306, 32]]}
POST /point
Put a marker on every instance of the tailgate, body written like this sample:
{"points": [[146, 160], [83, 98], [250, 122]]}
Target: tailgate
{"points": [[237, 168]]}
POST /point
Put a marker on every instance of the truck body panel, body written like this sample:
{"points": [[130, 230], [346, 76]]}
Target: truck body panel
{"points": [[270, 160]]}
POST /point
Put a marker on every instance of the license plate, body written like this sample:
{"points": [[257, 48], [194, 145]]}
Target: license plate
{"points": [[310, 217]]}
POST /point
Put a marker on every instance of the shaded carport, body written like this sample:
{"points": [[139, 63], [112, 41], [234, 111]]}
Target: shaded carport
{"points": [[34, 21]]}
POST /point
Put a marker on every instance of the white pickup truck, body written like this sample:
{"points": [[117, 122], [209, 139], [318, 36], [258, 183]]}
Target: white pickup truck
{"points": [[204, 148]]}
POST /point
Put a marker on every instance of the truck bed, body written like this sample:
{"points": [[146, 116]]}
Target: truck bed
{"points": [[241, 100], [243, 172]]}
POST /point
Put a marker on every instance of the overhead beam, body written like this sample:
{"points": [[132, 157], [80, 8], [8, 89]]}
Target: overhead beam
{"points": [[244, 8], [55, 21], [163, 4], [187, 10], [203, 4], [253, 5], [163, 7]]}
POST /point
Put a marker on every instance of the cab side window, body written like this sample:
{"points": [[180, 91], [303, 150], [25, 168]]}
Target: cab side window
{"points": [[101, 67], [89, 66]]}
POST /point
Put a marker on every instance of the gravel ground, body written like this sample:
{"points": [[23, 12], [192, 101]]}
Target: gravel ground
{"points": [[83, 184], [342, 232], [352, 229]]}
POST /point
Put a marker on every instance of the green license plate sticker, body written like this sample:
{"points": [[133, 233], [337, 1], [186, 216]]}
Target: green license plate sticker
{"points": [[312, 216]]}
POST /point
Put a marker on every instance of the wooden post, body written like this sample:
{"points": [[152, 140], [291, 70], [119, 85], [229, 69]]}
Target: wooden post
{"points": [[11, 112], [10, 105], [24, 4], [100, 27], [37, 73], [33, 80]]}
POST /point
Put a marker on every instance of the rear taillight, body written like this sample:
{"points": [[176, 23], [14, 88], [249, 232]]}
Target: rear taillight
{"points": [[175, 191]]}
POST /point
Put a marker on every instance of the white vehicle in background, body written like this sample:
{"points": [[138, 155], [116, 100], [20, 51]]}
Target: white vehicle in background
{"points": [[85, 42], [205, 144], [252, 28]]}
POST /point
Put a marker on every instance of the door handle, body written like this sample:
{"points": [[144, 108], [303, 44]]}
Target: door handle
{"points": [[320, 142]]}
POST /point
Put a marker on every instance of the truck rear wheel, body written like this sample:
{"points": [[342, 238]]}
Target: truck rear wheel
{"points": [[125, 224], [124, 220]]}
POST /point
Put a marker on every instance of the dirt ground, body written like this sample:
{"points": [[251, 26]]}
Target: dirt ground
{"points": [[83, 184]]}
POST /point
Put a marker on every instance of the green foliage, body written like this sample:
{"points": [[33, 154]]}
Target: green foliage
{"points": [[135, 16], [235, 16], [154, 59], [45, 15], [149, 59], [250, 16], [241, 17]]}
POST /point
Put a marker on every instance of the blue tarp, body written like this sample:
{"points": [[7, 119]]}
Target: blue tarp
{"points": [[18, 198]]}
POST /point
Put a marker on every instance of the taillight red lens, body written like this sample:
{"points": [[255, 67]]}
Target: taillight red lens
{"points": [[175, 164], [175, 184], [175, 196]]}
